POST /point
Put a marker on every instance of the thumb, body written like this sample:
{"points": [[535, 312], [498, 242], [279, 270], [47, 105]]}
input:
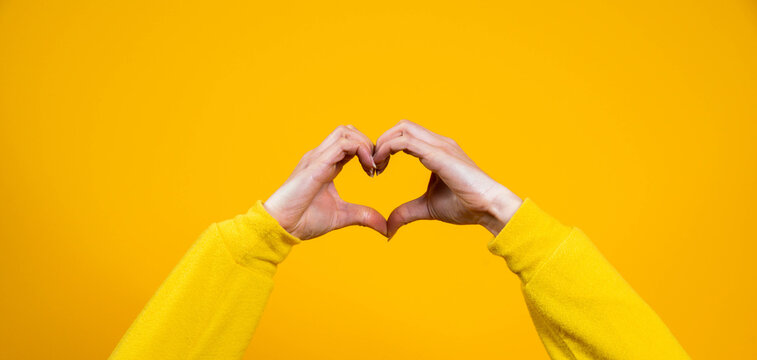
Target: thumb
{"points": [[354, 214], [406, 213]]}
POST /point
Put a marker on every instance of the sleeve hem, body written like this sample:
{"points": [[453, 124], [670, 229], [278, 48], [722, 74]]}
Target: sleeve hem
{"points": [[256, 240], [528, 240]]}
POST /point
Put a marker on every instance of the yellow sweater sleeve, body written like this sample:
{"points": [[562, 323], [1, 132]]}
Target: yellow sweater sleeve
{"points": [[210, 304], [580, 305]]}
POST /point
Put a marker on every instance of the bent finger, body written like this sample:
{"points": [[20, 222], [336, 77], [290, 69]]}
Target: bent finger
{"points": [[344, 149], [408, 127], [336, 139], [409, 144], [366, 150]]}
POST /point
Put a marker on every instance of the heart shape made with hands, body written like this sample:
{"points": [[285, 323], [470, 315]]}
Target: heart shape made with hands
{"points": [[307, 205]]}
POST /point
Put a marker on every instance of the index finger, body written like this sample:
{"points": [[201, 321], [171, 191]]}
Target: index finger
{"points": [[426, 153], [351, 134]]}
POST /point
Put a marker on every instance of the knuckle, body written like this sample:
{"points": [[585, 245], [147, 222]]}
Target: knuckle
{"points": [[343, 142], [408, 124]]}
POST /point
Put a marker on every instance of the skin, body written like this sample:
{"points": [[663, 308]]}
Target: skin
{"points": [[307, 205], [458, 192]]}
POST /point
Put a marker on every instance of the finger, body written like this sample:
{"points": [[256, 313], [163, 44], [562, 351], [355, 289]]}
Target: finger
{"points": [[406, 213], [427, 153], [354, 214], [347, 158], [349, 132], [346, 148], [409, 127], [384, 164], [362, 136], [365, 151], [404, 128]]}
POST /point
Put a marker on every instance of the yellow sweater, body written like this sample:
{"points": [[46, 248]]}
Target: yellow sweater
{"points": [[210, 304]]}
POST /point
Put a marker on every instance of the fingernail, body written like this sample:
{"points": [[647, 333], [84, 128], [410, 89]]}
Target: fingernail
{"points": [[378, 172], [371, 172], [374, 163]]}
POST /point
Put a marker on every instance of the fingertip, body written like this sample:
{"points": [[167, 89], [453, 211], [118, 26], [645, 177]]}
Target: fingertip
{"points": [[381, 166], [390, 236], [366, 161], [379, 229], [392, 225]]}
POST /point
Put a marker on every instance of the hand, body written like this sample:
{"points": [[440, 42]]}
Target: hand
{"points": [[458, 191], [308, 205]]}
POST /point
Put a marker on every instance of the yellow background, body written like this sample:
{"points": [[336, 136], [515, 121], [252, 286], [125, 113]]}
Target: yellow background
{"points": [[127, 127]]}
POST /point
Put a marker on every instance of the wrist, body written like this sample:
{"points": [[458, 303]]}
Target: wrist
{"points": [[270, 207], [501, 207]]}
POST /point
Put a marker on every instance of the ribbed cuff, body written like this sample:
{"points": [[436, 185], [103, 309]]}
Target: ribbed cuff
{"points": [[256, 240], [528, 240]]}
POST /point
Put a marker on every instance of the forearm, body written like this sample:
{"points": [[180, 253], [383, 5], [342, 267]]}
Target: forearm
{"points": [[210, 304], [581, 306]]}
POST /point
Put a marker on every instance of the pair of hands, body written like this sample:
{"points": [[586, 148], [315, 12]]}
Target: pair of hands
{"points": [[307, 205]]}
